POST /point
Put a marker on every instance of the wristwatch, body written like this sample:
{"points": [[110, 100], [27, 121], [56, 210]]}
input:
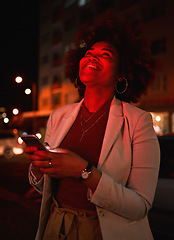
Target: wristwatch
{"points": [[86, 172]]}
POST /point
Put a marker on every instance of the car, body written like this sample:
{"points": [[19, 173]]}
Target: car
{"points": [[161, 216], [10, 144], [165, 186]]}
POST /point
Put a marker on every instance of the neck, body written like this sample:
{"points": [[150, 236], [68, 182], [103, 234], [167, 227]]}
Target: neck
{"points": [[95, 98]]}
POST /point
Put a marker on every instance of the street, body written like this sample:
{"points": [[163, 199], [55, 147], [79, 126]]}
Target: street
{"points": [[18, 211], [20, 204]]}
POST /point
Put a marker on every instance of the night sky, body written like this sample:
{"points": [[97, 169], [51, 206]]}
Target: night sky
{"points": [[19, 51]]}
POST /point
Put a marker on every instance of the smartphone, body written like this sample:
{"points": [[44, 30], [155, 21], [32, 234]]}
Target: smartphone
{"points": [[33, 141]]}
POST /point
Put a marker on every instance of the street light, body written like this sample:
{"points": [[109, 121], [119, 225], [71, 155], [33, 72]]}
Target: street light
{"points": [[18, 79], [28, 91], [6, 120], [15, 111]]}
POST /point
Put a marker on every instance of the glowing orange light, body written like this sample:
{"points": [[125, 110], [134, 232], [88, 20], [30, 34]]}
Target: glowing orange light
{"points": [[158, 118], [15, 111], [27, 91], [18, 79], [15, 131]]}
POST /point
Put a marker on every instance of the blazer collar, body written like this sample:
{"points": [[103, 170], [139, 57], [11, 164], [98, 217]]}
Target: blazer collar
{"points": [[114, 124], [66, 124]]}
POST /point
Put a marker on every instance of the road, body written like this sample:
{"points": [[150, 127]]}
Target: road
{"points": [[162, 223], [20, 204], [19, 208]]}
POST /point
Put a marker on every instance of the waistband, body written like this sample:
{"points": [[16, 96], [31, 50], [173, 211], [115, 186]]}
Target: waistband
{"points": [[76, 212]]}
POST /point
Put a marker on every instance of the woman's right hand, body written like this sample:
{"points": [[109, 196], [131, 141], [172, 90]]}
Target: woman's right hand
{"points": [[32, 158]]}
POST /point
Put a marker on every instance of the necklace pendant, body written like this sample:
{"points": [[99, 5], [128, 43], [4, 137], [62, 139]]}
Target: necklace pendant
{"points": [[86, 121]]}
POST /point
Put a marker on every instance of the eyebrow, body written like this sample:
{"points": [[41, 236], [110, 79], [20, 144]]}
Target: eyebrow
{"points": [[104, 49]]}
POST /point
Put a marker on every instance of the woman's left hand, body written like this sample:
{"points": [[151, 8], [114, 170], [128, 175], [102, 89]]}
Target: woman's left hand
{"points": [[60, 164]]}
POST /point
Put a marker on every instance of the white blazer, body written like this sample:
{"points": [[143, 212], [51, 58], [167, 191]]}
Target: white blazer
{"points": [[129, 162]]}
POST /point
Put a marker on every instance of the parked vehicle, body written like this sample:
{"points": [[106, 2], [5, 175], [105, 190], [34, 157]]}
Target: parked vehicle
{"points": [[161, 216], [10, 144]]}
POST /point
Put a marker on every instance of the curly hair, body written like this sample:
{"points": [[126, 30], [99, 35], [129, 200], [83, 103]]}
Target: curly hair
{"points": [[135, 62]]}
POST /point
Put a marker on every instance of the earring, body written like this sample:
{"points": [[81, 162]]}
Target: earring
{"points": [[121, 85], [78, 83]]}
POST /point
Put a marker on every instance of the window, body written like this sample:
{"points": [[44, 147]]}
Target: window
{"points": [[57, 60], [160, 83], [57, 14], [69, 24], [70, 97], [69, 47], [45, 102], [56, 99], [57, 37], [45, 39], [158, 46], [44, 60], [44, 81], [57, 82]]}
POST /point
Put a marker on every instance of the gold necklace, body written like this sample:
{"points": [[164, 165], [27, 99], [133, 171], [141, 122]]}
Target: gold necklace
{"points": [[85, 121], [84, 131]]}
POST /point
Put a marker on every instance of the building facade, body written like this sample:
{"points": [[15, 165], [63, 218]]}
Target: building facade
{"points": [[61, 19]]}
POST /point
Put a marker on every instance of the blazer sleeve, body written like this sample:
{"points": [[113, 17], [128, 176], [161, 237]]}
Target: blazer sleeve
{"points": [[38, 185], [133, 200], [48, 129]]}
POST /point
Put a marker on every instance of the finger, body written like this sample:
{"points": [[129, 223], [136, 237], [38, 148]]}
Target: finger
{"points": [[30, 150], [34, 157], [41, 153], [43, 164], [49, 171]]}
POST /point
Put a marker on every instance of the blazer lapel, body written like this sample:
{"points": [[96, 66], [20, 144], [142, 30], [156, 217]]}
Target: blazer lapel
{"points": [[114, 124], [65, 125]]}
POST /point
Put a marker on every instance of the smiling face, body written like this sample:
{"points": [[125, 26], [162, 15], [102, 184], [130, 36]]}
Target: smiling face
{"points": [[99, 66]]}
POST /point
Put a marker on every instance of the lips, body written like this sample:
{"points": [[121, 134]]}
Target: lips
{"points": [[92, 65]]}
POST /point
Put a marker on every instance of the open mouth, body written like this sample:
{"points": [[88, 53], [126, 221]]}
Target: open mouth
{"points": [[91, 65]]}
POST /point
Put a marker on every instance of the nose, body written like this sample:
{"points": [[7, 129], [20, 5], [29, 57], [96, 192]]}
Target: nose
{"points": [[94, 57]]}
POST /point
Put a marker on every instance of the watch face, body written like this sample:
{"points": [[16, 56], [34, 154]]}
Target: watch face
{"points": [[85, 175]]}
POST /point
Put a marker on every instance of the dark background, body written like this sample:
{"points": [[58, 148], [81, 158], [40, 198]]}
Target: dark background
{"points": [[19, 52]]}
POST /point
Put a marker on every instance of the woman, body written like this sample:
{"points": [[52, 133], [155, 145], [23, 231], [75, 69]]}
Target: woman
{"points": [[100, 183]]}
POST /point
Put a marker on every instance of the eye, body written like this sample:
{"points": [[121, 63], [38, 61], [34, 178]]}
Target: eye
{"points": [[106, 54], [88, 53]]}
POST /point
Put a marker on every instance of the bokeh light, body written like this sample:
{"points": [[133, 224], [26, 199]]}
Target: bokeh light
{"points": [[18, 79]]}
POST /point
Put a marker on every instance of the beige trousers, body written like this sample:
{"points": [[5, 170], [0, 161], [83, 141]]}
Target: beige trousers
{"points": [[68, 224]]}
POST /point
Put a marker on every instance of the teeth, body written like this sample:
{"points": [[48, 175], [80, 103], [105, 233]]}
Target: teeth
{"points": [[92, 66]]}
